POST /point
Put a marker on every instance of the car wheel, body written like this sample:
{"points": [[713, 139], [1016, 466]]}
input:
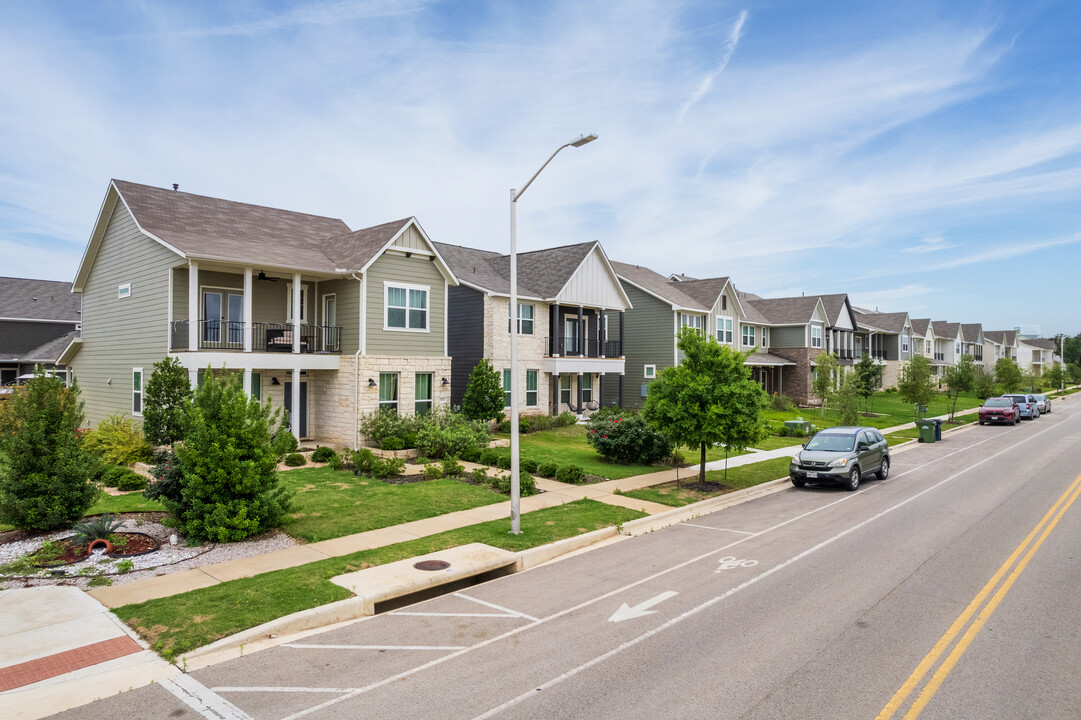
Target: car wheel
{"points": [[884, 470], [981, 421], [1035, 414], [853, 479], [798, 483], [1013, 421]]}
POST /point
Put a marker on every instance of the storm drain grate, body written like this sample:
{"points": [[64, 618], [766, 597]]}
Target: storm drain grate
{"points": [[432, 565]]}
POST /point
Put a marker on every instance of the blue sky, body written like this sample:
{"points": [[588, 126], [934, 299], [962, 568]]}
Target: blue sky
{"points": [[920, 156]]}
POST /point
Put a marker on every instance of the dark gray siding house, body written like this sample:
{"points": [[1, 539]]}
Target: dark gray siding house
{"points": [[36, 317]]}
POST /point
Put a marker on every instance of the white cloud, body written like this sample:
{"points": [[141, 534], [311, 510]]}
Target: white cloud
{"points": [[933, 243]]}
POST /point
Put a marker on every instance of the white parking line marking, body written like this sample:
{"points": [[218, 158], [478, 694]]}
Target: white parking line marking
{"points": [[440, 614], [587, 603], [707, 527], [374, 647], [202, 699], [494, 606], [283, 689]]}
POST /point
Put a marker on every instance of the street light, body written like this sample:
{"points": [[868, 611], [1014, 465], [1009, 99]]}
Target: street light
{"points": [[515, 490]]}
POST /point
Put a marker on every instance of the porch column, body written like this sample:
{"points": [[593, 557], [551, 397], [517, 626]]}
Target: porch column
{"points": [[600, 388], [602, 336], [193, 378], [554, 402], [581, 343], [553, 330], [193, 307], [621, 314], [296, 327], [294, 416], [621, 387], [580, 408], [247, 315], [780, 380], [247, 381]]}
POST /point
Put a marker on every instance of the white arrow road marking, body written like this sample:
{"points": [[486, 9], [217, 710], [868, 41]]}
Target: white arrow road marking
{"points": [[641, 609]]}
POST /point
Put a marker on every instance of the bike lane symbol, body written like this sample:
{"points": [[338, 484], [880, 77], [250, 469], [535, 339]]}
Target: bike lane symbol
{"points": [[731, 563]]}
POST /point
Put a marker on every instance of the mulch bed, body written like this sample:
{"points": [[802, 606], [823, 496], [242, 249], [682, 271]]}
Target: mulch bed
{"points": [[70, 552]]}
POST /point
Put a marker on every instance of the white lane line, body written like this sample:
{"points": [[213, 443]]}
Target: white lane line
{"points": [[600, 598], [442, 614], [725, 595], [282, 689], [494, 606], [202, 699], [373, 647], [707, 527]]}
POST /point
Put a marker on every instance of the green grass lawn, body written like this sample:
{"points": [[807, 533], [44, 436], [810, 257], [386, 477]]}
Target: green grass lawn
{"points": [[888, 410], [775, 442], [131, 502], [184, 622], [568, 446], [331, 503], [741, 477]]}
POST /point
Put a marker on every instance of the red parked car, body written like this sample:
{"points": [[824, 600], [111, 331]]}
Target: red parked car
{"points": [[1000, 409]]}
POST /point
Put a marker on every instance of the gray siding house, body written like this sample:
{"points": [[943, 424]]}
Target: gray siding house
{"points": [[318, 318], [887, 337], [38, 320]]}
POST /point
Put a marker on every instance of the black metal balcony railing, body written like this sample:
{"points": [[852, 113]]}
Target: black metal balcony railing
{"points": [[878, 354], [265, 337], [572, 346], [940, 356]]}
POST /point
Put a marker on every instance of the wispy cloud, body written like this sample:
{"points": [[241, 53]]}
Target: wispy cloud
{"points": [[933, 243], [726, 55]]}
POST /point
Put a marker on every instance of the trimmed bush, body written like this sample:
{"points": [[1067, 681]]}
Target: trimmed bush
{"points": [[452, 468], [528, 465], [284, 442], [782, 403], [384, 424], [131, 481], [295, 460], [383, 468], [503, 463], [479, 475], [566, 418], [323, 454], [571, 474], [548, 469], [409, 440], [336, 462], [526, 484], [165, 399], [433, 472], [392, 443], [471, 454], [122, 478], [444, 433], [627, 439], [362, 461], [118, 440], [489, 457]]}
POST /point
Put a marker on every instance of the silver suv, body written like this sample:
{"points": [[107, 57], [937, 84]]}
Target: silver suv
{"points": [[841, 455]]}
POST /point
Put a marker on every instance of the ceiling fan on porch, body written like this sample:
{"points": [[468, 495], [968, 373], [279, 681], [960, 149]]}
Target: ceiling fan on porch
{"points": [[263, 276]]}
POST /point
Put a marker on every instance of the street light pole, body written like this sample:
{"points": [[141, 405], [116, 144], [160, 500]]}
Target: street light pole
{"points": [[515, 489]]}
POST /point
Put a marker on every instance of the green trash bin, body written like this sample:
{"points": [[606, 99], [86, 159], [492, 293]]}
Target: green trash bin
{"points": [[927, 430]]}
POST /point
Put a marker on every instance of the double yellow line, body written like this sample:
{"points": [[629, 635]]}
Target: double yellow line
{"points": [[1042, 529]]}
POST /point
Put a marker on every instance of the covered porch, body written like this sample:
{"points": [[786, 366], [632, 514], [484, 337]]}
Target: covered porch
{"points": [[767, 370]]}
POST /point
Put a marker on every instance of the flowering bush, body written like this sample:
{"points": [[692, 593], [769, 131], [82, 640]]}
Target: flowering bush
{"points": [[627, 439]]}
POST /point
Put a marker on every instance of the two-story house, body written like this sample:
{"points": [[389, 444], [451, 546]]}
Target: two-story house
{"points": [[1035, 355], [947, 345], [322, 320], [38, 320], [999, 344], [798, 328], [888, 339], [570, 318], [972, 342]]}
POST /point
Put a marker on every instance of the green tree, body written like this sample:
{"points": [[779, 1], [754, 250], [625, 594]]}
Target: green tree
{"points": [[846, 399], [45, 475], [915, 384], [959, 378], [868, 378], [826, 378], [1055, 376], [165, 401], [984, 384], [483, 398], [229, 484], [708, 398], [1073, 373], [1008, 375]]}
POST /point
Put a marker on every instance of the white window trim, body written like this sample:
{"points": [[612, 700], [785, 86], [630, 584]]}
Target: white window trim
{"points": [[397, 401], [743, 335], [387, 284], [507, 397], [289, 303], [536, 393], [431, 392], [818, 338], [904, 342], [123, 292], [586, 389], [532, 320], [765, 337], [140, 392], [649, 372]]}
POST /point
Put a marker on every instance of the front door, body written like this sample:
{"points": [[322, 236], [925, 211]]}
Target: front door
{"points": [[570, 332], [212, 318], [330, 320], [235, 319], [303, 407], [222, 311]]}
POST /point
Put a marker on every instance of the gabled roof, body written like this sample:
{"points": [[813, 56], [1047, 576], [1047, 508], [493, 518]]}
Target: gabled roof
{"points": [[1001, 337], [657, 285], [680, 277], [787, 311], [835, 305], [919, 326], [50, 351], [970, 332], [883, 322], [1042, 343], [707, 292], [946, 329], [27, 299]]}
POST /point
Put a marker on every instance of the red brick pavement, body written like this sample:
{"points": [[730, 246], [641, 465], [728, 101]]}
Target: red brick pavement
{"points": [[50, 666]]}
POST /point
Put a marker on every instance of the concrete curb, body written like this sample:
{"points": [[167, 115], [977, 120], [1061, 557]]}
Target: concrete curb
{"points": [[649, 524], [544, 553]]}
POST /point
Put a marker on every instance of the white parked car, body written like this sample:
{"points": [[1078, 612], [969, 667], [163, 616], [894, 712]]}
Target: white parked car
{"points": [[1043, 403]]}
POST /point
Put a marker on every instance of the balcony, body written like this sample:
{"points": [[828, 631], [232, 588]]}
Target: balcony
{"points": [[572, 346], [940, 357], [266, 337]]}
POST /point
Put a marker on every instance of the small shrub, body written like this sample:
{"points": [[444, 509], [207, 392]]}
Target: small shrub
{"points": [[782, 403], [528, 464], [323, 454], [489, 457], [336, 462], [384, 424], [479, 475], [500, 483], [471, 454], [125, 566], [548, 469], [295, 460], [503, 463], [452, 468], [627, 439], [409, 440], [678, 457], [131, 481], [99, 528], [283, 442], [444, 433], [383, 468], [362, 461], [566, 418], [118, 441], [422, 460], [392, 443], [571, 474], [110, 475], [526, 484], [433, 472]]}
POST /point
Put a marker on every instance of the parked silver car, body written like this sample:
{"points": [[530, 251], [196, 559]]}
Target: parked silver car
{"points": [[1043, 403], [841, 455]]}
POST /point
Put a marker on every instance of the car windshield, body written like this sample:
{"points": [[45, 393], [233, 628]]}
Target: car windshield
{"points": [[832, 441], [998, 402]]}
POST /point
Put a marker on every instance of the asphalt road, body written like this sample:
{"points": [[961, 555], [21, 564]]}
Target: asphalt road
{"points": [[949, 590]]}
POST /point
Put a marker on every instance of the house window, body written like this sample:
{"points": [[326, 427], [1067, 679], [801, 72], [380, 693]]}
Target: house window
{"points": [[136, 391], [422, 394], [406, 307], [388, 391], [816, 336], [724, 330], [957, 348], [565, 389], [650, 372], [506, 388], [748, 336], [123, 291], [586, 379], [691, 321], [765, 337], [904, 343], [256, 390], [289, 303], [531, 387], [525, 318], [724, 302]]}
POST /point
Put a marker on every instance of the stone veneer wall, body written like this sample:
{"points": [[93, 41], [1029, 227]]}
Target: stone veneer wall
{"points": [[531, 350], [798, 381], [891, 373]]}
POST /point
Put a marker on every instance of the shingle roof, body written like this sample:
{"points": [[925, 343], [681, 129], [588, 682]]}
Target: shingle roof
{"points": [[210, 227], [50, 351], [541, 273], [705, 291], [354, 250], [970, 332], [946, 329], [919, 326], [786, 311], [670, 290], [38, 299], [883, 322], [1042, 343], [1002, 337], [833, 305]]}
